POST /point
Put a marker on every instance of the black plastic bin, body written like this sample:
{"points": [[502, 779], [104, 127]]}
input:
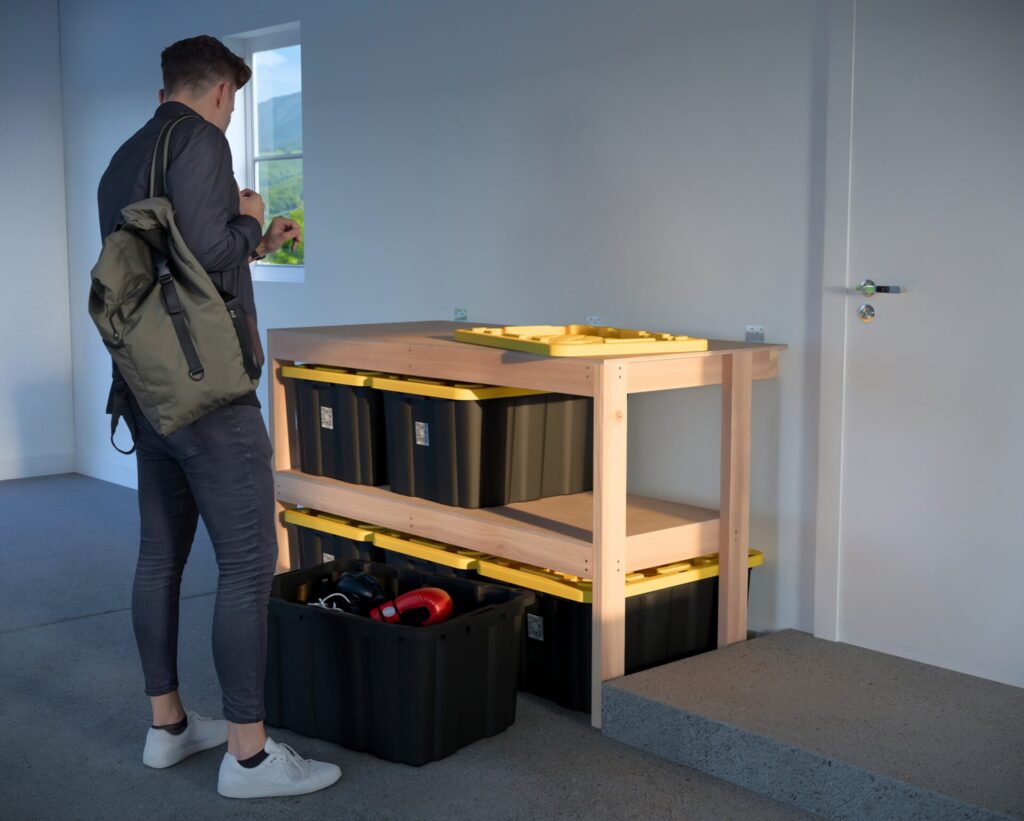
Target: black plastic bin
{"points": [[671, 613], [318, 537], [405, 694], [477, 446], [340, 424]]}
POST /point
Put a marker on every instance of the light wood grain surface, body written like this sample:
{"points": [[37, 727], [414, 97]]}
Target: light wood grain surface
{"points": [[734, 524], [429, 349]]}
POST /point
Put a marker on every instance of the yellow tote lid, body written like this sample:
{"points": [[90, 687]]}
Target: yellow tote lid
{"points": [[447, 555], [326, 523], [580, 340], [446, 390], [335, 376], [580, 590]]}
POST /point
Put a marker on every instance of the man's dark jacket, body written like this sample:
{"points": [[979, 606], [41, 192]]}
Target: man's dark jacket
{"points": [[202, 189]]}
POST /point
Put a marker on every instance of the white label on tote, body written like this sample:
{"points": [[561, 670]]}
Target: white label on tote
{"points": [[422, 434], [535, 626], [327, 418]]}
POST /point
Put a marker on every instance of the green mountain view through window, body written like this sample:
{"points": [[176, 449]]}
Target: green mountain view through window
{"points": [[280, 181]]}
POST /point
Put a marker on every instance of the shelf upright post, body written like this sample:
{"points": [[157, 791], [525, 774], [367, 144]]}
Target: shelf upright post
{"points": [[734, 522], [283, 436], [608, 635]]}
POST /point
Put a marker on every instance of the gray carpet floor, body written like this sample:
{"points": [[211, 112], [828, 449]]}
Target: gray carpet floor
{"points": [[73, 715]]}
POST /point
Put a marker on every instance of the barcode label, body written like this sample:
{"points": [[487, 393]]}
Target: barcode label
{"points": [[327, 418], [422, 434], [535, 627]]}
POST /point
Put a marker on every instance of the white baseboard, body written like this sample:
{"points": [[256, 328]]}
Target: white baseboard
{"points": [[109, 467], [44, 465]]}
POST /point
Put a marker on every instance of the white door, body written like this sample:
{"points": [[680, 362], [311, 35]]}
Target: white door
{"points": [[930, 548]]}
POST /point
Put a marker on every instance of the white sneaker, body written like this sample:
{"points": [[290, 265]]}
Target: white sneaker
{"points": [[163, 749], [282, 772]]}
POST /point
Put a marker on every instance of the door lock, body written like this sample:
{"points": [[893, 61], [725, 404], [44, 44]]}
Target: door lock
{"points": [[868, 288], [866, 313]]}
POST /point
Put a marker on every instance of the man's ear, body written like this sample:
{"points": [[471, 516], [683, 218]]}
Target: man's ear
{"points": [[223, 93], [162, 96]]}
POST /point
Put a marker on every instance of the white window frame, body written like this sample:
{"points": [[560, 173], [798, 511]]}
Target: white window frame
{"points": [[244, 143]]}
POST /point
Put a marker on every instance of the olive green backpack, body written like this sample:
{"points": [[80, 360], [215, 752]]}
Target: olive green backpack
{"points": [[180, 347]]}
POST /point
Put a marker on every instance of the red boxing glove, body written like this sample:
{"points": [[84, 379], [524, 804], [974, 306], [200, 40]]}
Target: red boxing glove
{"points": [[428, 605]]}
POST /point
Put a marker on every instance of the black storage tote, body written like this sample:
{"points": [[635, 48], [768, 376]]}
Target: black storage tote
{"points": [[340, 420], [671, 613], [405, 694], [477, 446]]}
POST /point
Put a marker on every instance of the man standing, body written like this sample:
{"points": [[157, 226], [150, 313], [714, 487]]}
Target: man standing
{"points": [[219, 466]]}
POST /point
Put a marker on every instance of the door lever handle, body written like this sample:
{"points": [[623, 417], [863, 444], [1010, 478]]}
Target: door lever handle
{"points": [[868, 288]]}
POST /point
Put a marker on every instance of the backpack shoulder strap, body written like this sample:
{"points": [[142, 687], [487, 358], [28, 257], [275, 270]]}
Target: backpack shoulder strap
{"points": [[173, 306], [161, 261], [158, 182]]}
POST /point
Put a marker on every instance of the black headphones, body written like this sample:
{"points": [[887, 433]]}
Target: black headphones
{"points": [[355, 592]]}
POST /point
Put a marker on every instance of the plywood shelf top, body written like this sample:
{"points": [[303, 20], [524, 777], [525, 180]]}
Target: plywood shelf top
{"points": [[555, 532], [429, 349], [439, 333]]}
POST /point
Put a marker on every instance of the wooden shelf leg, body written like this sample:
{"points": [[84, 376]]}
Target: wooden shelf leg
{"points": [[284, 560], [284, 437], [734, 523], [608, 649]]}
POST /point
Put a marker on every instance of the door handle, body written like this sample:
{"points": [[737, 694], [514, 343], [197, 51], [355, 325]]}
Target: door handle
{"points": [[868, 288]]}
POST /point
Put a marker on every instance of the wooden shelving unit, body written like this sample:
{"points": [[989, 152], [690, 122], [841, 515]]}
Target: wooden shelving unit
{"points": [[601, 535]]}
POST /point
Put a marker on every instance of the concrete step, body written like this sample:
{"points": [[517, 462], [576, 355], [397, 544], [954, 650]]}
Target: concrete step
{"points": [[833, 729]]}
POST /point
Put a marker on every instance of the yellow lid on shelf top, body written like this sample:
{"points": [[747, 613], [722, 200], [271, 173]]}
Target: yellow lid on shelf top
{"points": [[334, 525], [447, 555], [335, 376], [437, 389], [578, 589], [580, 340]]}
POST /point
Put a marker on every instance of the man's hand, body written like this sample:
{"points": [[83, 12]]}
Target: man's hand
{"points": [[281, 230], [251, 204]]}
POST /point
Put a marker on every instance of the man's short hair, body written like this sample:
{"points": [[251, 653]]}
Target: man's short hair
{"points": [[200, 62]]}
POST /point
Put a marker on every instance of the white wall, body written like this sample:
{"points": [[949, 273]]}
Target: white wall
{"points": [[650, 161], [35, 344]]}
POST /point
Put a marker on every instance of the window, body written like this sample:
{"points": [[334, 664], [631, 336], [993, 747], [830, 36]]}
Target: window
{"points": [[267, 128]]}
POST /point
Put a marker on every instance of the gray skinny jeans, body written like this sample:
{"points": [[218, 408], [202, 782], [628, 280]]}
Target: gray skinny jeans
{"points": [[218, 467]]}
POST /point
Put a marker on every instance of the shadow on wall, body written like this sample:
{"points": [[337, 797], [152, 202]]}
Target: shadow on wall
{"points": [[40, 441], [816, 202], [771, 525], [675, 454]]}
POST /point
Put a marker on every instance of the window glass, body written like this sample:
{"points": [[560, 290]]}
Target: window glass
{"points": [[277, 139], [280, 184], [277, 87]]}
